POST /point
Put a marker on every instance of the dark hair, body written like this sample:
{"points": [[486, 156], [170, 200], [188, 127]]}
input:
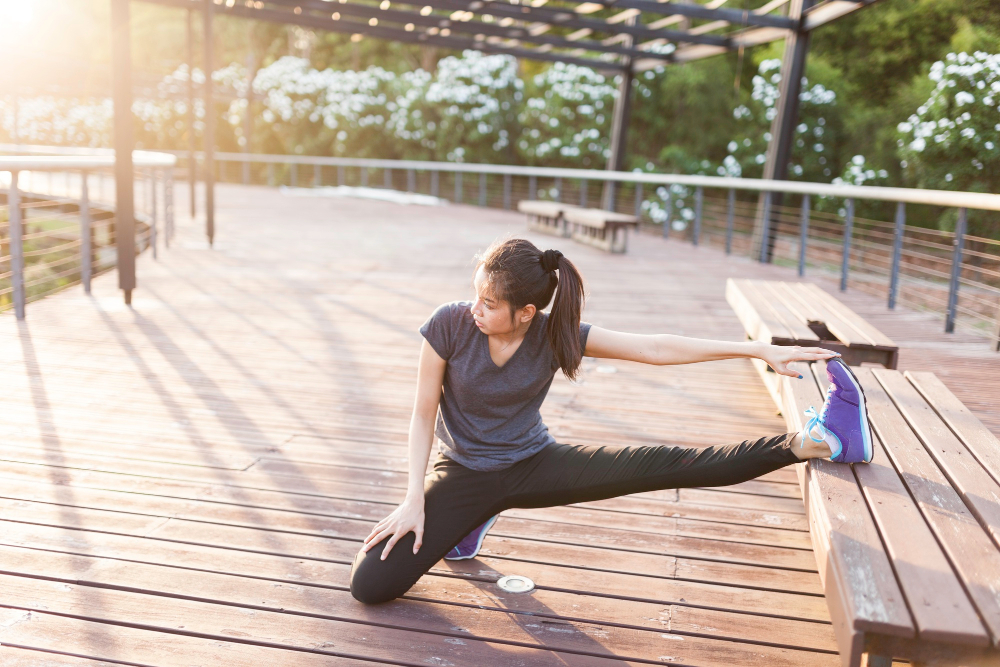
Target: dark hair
{"points": [[520, 274]]}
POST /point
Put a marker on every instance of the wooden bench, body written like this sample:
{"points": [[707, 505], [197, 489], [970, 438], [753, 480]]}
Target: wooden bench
{"points": [[908, 546], [604, 229], [545, 216], [802, 314]]}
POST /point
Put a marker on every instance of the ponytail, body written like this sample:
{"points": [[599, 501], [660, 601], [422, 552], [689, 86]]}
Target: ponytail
{"points": [[521, 274]]}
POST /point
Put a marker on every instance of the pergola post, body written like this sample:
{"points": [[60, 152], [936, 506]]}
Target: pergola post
{"points": [[619, 126], [248, 114], [209, 168], [124, 142], [192, 164], [779, 150]]}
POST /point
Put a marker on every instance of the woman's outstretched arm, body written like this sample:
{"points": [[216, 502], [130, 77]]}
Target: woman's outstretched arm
{"points": [[667, 349], [409, 516]]}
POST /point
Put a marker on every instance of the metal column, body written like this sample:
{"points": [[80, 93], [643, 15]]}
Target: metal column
{"points": [[779, 150], [619, 123], [730, 220], [192, 163], [124, 142], [16, 239], [803, 234], [897, 254], [845, 262], [956, 271], [208, 10], [86, 251]]}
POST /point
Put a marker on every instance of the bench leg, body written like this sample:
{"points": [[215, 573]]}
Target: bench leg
{"points": [[869, 660]]}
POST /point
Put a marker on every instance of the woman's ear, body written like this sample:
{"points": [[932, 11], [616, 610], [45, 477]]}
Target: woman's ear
{"points": [[527, 313]]}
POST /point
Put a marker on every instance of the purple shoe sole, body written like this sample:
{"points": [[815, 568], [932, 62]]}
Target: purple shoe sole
{"points": [[471, 544]]}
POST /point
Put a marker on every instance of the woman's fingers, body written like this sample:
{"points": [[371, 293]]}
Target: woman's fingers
{"points": [[378, 538], [419, 532], [390, 544]]}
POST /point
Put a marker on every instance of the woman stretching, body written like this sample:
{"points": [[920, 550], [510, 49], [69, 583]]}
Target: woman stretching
{"points": [[485, 368]]}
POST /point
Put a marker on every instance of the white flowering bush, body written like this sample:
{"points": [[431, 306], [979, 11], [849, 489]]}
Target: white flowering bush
{"points": [[813, 155], [566, 119], [952, 142]]}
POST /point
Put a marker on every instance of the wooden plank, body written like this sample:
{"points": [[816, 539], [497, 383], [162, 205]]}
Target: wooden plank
{"points": [[329, 595], [818, 309], [969, 549], [11, 656], [793, 321], [940, 607], [598, 218], [977, 438], [758, 320], [976, 486], [876, 337]]}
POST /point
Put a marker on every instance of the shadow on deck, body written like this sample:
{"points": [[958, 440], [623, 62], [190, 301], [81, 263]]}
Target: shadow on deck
{"points": [[187, 481]]}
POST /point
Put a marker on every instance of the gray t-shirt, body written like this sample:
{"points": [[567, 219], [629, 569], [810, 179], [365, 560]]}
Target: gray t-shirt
{"points": [[489, 415]]}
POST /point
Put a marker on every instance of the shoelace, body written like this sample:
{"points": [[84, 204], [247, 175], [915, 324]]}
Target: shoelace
{"points": [[815, 422]]}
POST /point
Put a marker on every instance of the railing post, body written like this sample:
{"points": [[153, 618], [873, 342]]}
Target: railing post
{"points": [[411, 180], [458, 187], [152, 216], [730, 219], [803, 234], [16, 245], [765, 240], [558, 186], [482, 189], [506, 191], [340, 174], [85, 249], [996, 330], [168, 202], [956, 270], [435, 183], [246, 170], [669, 210], [387, 179], [270, 174], [364, 177], [583, 192], [294, 174], [699, 197], [532, 186], [317, 176], [897, 254], [845, 263], [638, 199]]}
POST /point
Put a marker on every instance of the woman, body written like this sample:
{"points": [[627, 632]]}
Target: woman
{"points": [[485, 368]]}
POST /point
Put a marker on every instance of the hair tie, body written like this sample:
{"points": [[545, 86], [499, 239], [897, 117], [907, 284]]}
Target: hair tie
{"points": [[550, 260]]}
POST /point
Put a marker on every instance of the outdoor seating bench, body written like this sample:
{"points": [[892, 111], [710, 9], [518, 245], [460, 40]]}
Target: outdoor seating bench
{"points": [[907, 546], [802, 314], [545, 216], [606, 230]]}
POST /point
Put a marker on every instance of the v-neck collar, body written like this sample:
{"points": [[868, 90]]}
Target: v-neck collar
{"points": [[516, 352]]}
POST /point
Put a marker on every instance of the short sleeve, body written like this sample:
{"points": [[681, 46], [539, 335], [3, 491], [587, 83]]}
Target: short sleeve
{"points": [[584, 332], [441, 328]]}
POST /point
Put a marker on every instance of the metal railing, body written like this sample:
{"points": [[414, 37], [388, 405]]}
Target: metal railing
{"points": [[951, 273], [57, 218]]}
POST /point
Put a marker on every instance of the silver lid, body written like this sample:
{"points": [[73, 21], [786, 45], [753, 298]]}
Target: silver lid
{"points": [[515, 583]]}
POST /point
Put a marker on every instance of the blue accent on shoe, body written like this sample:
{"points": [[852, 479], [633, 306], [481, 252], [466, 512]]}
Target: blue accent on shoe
{"points": [[471, 544], [815, 424]]}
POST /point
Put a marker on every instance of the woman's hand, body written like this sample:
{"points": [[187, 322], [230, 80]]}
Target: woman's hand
{"points": [[779, 356], [408, 516]]}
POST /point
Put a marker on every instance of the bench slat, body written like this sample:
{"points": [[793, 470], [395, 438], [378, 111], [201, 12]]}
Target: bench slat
{"points": [[757, 318], [548, 209], [876, 337], [838, 326], [790, 318], [598, 218], [977, 487], [980, 441], [971, 552], [940, 607], [862, 592]]}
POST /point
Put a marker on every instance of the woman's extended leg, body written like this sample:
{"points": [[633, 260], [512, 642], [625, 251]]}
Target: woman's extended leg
{"points": [[562, 474], [456, 500]]}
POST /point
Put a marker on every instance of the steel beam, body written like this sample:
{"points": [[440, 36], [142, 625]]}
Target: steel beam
{"points": [[192, 163], [208, 42]]}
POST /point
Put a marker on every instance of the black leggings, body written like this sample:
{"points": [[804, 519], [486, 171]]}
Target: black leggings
{"points": [[458, 499]]}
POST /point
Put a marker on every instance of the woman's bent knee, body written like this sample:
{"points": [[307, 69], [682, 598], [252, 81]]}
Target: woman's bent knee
{"points": [[374, 580]]}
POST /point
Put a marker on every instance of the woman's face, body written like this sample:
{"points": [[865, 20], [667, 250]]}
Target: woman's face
{"points": [[493, 316]]}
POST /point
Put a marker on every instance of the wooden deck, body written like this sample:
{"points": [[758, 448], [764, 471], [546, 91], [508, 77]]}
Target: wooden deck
{"points": [[186, 482]]}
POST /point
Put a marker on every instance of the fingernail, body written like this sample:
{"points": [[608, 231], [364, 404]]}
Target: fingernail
{"points": [[800, 376]]}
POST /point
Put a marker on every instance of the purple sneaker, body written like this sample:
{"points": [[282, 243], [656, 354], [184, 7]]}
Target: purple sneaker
{"points": [[471, 544], [843, 421]]}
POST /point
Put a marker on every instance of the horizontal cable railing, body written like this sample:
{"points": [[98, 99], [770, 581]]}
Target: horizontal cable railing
{"points": [[57, 218], [948, 272]]}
